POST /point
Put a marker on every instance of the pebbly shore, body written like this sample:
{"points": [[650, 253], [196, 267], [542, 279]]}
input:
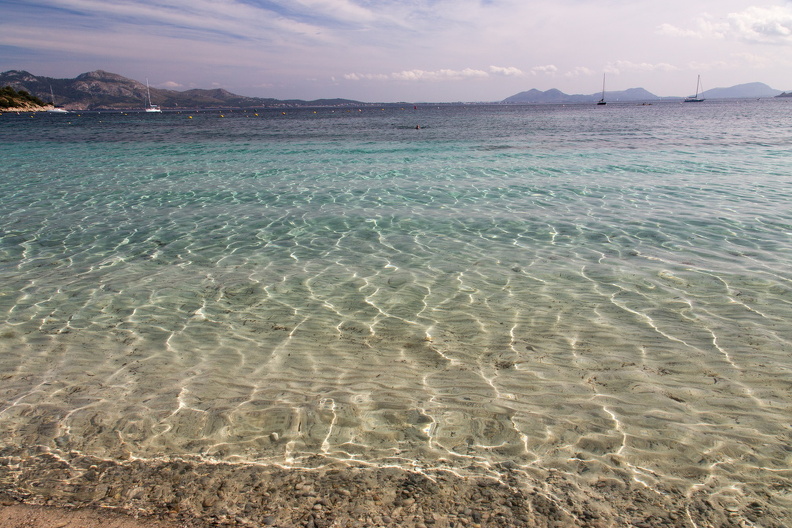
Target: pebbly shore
{"points": [[201, 494]]}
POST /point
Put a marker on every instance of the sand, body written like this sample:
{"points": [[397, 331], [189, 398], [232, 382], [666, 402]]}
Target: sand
{"points": [[46, 489], [24, 516]]}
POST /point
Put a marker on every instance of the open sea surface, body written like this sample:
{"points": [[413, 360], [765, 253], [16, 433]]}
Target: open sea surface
{"points": [[595, 292]]}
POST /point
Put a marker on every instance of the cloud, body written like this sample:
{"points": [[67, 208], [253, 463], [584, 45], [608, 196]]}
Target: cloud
{"points": [[205, 20], [507, 71], [336, 9], [420, 75], [752, 60], [548, 69], [766, 25], [366, 77], [578, 71], [759, 24], [623, 65]]}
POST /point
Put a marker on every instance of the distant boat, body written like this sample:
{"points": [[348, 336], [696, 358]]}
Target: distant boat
{"points": [[695, 98], [602, 101], [55, 108], [152, 108]]}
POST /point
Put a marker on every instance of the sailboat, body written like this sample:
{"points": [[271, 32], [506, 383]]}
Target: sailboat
{"points": [[55, 108], [152, 108], [695, 98], [602, 101]]}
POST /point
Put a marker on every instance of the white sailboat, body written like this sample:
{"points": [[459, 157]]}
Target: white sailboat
{"points": [[695, 98], [55, 108], [602, 101], [151, 108]]}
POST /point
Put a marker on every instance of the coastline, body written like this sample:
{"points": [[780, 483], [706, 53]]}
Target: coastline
{"points": [[47, 489], [23, 110]]}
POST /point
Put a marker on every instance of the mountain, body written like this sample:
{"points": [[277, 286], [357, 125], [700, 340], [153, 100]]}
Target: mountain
{"points": [[558, 97], [99, 90], [741, 91], [535, 96]]}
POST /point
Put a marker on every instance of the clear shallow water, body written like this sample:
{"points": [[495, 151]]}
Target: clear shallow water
{"points": [[598, 291]]}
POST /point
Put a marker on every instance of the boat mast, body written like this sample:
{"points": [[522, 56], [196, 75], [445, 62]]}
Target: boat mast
{"points": [[602, 101]]}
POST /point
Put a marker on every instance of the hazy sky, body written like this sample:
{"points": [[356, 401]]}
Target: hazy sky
{"points": [[405, 50]]}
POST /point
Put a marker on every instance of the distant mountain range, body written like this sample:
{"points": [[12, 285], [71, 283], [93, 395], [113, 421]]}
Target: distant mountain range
{"points": [[741, 91], [101, 90]]}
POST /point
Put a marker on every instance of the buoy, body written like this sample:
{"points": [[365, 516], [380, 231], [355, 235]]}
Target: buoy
{"points": [[190, 117]]}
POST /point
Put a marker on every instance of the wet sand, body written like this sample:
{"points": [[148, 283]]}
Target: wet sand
{"points": [[46, 489], [25, 516]]}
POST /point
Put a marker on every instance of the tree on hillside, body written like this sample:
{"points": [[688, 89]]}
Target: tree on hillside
{"points": [[10, 98]]}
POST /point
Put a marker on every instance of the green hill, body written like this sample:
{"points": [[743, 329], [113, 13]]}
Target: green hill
{"points": [[19, 100]]}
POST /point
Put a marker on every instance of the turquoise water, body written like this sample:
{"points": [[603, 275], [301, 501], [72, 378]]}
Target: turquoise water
{"points": [[596, 290]]}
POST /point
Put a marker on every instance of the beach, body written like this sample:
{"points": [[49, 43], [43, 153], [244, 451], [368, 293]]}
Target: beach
{"points": [[528, 316], [196, 494]]}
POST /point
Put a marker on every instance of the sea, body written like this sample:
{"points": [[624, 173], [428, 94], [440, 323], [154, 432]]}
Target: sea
{"points": [[588, 291]]}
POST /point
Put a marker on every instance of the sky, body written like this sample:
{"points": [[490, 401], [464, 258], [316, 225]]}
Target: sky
{"points": [[405, 50]]}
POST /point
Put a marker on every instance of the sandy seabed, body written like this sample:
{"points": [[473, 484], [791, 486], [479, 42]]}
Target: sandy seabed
{"points": [[46, 489]]}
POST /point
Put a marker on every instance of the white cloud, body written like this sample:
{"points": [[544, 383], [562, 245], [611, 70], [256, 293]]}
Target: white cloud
{"points": [[769, 25], [762, 24], [752, 60], [548, 69], [507, 71], [366, 77], [337, 9], [579, 71], [420, 75], [623, 66]]}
